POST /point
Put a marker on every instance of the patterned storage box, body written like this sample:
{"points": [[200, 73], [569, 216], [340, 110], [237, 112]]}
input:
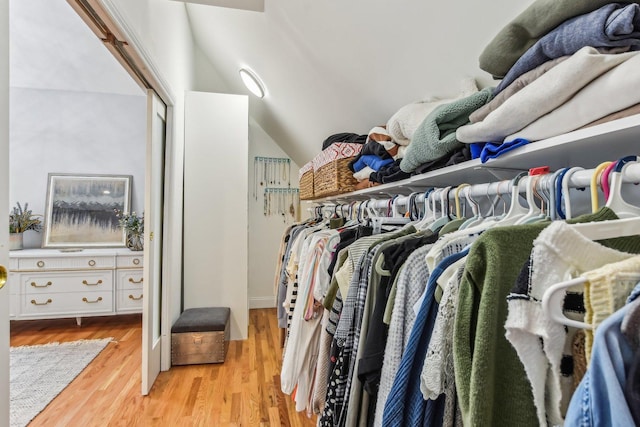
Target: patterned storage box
{"points": [[334, 178], [331, 173]]}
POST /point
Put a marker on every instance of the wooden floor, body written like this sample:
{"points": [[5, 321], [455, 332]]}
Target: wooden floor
{"points": [[244, 391]]}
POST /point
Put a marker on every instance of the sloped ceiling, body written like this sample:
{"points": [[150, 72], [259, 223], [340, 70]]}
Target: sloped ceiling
{"points": [[346, 65]]}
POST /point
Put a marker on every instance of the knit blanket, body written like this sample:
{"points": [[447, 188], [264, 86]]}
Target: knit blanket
{"points": [[436, 135], [541, 96], [613, 25], [527, 28]]}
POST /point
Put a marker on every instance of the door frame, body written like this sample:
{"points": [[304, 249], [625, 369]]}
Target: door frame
{"points": [[148, 76], [172, 238]]}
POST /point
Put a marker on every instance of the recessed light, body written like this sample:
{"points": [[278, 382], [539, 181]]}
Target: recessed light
{"points": [[252, 82]]}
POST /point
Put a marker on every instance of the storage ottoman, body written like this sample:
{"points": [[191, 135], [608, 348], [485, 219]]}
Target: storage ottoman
{"points": [[200, 335]]}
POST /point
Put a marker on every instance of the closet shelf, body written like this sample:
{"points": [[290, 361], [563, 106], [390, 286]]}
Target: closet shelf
{"points": [[584, 147]]}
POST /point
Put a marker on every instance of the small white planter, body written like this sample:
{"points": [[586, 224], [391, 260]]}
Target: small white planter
{"points": [[15, 241]]}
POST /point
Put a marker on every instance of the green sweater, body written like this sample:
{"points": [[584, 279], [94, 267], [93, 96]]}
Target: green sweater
{"points": [[527, 28], [493, 389]]}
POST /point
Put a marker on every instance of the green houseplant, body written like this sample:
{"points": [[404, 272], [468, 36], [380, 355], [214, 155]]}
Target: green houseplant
{"points": [[21, 220], [133, 225]]}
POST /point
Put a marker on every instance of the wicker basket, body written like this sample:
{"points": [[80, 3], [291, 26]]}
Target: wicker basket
{"points": [[334, 178], [306, 185]]}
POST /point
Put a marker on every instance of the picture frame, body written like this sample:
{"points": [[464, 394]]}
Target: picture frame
{"points": [[80, 210]]}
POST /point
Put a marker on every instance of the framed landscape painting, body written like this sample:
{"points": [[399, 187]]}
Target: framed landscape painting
{"points": [[80, 210]]}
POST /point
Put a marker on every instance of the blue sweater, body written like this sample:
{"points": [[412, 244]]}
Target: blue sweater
{"points": [[405, 405]]}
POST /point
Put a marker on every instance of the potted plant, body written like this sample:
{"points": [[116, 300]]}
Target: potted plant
{"points": [[21, 220], [133, 225]]}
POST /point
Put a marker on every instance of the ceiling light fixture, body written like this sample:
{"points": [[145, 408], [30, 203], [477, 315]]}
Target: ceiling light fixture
{"points": [[252, 82]]}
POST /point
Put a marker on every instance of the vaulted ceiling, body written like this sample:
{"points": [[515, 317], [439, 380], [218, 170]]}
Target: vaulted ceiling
{"points": [[345, 65]]}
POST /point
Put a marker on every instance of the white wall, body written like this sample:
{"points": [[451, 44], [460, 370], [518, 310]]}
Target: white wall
{"points": [[162, 30], [73, 107], [265, 232], [55, 131], [215, 205], [334, 66]]}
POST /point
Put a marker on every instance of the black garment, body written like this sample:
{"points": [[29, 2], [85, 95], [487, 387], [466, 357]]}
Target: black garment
{"points": [[389, 173], [371, 147], [632, 388], [370, 366], [458, 156], [347, 237], [344, 137]]}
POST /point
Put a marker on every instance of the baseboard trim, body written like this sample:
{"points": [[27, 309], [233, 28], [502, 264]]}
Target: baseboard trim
{"points": [[262, 302]]}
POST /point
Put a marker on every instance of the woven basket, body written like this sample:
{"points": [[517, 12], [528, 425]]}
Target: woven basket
{"points": [[306, 185], [334, 178]]}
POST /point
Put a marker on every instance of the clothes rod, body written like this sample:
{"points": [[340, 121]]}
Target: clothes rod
{"points": [[578, 179]]}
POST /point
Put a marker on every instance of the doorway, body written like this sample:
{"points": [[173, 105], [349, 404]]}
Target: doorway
{"points": [[87, 116]]}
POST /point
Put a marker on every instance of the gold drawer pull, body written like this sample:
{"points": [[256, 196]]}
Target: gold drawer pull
{"points": [[35, 285], [136, 281], [91, 263], [134, 298], [92, 302], [84, 282], [40, 264], [41, 303], [136, 261]]}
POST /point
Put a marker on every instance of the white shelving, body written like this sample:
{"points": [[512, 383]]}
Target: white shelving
{"points": [[584, 147]]}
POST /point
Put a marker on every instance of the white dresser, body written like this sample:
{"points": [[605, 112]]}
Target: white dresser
{"points": [[49, 283]]}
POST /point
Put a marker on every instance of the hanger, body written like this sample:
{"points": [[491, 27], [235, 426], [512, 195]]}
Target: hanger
{"points": [[555, 194], [594, 184], [564, 194], [615, 202], [457, 198], [553, 301], [475, 208], [604, 180], [532, 210], [516, 210], [429, 213], [553, 298], [538, 183], [444, 204]]}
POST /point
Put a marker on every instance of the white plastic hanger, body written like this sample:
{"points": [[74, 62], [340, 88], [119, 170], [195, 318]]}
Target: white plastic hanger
{"points": [[533, 214], [553, 298], [615, 202], [444, 205], [553, 301], [429, 211], [565, 191], [516, 210]]}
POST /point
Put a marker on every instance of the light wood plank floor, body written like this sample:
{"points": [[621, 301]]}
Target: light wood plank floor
{"points": [[244, 391]]}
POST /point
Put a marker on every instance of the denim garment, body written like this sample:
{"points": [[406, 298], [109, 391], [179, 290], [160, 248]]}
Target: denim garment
{"points": [[635, 293], [405, 405], [613, 25], [600, 399]]}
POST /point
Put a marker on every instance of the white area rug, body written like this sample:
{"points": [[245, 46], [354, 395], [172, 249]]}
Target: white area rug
{"points": [[39, 373]]}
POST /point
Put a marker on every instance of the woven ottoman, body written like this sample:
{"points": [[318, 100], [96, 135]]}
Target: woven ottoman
{"points": [[200, 335]]}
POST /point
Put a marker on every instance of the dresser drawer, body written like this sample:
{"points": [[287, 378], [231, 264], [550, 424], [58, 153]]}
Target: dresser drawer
{"points": [[129, 261], [59, 282], [71, 304], [129, 279], [67, 263], [129, 301]]}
